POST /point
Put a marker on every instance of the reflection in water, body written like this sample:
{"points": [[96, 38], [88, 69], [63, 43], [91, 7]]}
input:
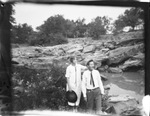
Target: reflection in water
{"points": [[129, 83]]}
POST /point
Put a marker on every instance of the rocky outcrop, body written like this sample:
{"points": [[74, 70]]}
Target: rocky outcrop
{"points": [[115, 70], [132, 63], [135, 62], [122, 103], [123, 53], [129, 42], [110, 45], [139, 56], [74, 48], [119, 98], [105, 79], [98, 57], [89, 49], [110, 55]]}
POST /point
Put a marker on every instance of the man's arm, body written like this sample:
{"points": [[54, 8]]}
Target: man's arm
{"points": [[100, 83]]}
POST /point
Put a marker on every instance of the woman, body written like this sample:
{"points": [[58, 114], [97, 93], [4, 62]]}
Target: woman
{"points": [[73, 75]]}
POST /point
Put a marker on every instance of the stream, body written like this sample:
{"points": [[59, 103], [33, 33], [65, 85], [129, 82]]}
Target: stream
{"points": [[130, 83]]}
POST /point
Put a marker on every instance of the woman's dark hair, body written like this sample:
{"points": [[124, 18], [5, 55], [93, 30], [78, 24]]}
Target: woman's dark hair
{"points": [[72, 58], [89, 62]]}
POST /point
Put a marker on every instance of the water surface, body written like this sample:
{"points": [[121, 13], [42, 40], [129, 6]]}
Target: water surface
{"points": [[130, 83]]}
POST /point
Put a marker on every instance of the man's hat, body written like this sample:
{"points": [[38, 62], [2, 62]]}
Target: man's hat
{"points": [[71, 96]]}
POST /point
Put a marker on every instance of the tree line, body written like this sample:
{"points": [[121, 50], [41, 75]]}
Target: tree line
{"points": [[56, 29]]}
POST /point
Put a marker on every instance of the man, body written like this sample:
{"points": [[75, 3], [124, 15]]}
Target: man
{"points": [[73, 75], [92, 88]]}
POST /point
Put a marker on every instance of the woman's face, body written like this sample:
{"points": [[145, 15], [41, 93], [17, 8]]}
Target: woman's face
{"points": [[75, 60]]}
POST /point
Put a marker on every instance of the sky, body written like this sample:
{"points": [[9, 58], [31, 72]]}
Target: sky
{"points": [[35, 14]]}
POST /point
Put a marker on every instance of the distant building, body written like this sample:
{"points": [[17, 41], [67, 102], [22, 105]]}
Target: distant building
{"points": [[138, 27]]}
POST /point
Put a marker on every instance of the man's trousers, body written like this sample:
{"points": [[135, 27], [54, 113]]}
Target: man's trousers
{"points": [[94, 97]]}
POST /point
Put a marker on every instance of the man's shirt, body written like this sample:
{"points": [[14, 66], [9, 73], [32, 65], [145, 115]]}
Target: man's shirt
{"points": [[86, 78]]}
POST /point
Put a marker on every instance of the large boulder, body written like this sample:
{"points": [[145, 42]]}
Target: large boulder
{"points": [[89, 48], [104, 50], [28, 52], [39, 50], [99, 45], [120, 98], [114, 70], [98, 57], [129, 42], [135, 62], [132, 64], [58, 50], [133, 112], [48, 53], [139, 56], [102, 68], [123, 53], [110, 45], [61, 52], [74, 48], [104, 78], [122, 103]]}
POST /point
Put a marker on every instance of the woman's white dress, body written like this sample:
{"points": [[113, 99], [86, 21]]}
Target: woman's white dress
{"points": [[73, 73]]}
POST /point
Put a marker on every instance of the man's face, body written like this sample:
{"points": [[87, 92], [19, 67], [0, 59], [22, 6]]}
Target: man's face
{"points": [[91, 65]]}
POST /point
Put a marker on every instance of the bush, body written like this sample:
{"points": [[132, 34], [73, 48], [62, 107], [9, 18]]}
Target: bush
{"points": [[56, 39], [52, 39], [43, 88]]}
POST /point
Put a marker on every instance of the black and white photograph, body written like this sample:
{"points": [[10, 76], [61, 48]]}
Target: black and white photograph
{"points": [[80, 59]]}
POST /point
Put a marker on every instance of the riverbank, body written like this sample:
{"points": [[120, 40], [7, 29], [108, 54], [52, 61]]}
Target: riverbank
{"points": [[127, 83], [39, 71], [118, 53]]}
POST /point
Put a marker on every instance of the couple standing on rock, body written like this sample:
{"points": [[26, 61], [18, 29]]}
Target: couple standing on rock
{"points": [[89, 84]]}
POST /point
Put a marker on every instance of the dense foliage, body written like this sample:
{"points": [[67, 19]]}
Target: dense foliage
{"points": [[56, 29], [132, 18], [98, 27], [41, 89], [38, 88], [51, 39], [21, 33]]}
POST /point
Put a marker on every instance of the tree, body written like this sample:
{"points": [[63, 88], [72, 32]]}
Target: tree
{"points": [[70, 28], [119, 24], [53, 31], [80, 28], [21, 33], [54, 24], [132, 17], [98, 27], [12, 19]]}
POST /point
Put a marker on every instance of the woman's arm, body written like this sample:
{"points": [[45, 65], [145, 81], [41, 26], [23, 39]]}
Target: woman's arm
{"points": [[84, 85], [68, 78], [83, 68]]}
